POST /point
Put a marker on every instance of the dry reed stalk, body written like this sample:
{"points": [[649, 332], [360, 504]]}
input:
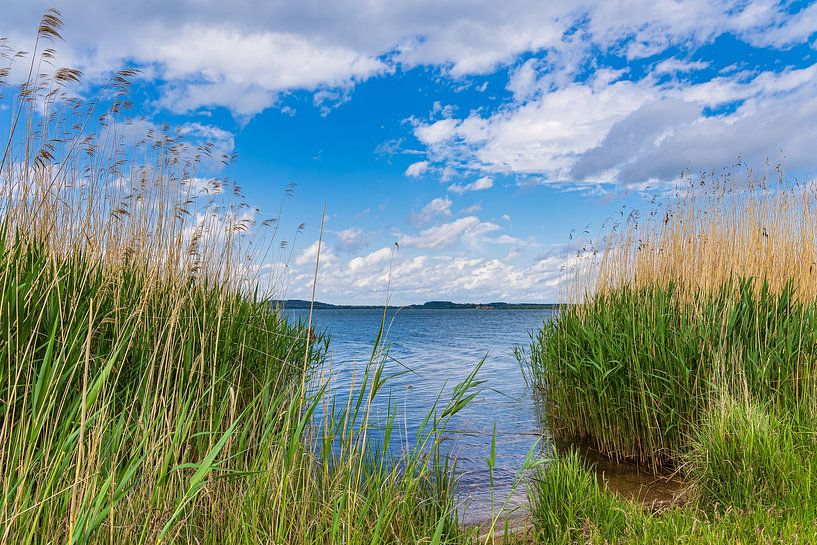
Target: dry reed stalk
{"points": [[709, 235]]}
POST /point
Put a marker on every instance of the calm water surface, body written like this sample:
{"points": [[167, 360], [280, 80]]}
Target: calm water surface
{"points": [[441, 347]]}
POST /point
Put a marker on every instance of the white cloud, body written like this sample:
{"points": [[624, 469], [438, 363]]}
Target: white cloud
{"points": [[436, 132], [375, 258], [210, 145], [486, 182], [213, 227], [675, 66], [243, 56], [417, 169], [353, 239], [662, 138], [441, 206], [505, 239], [244, 71], [197, 186], [796, 28], [418, 278], [449, 234], [523, 82], [310, 254], [612, 130], [542, 135], [220, 143]]}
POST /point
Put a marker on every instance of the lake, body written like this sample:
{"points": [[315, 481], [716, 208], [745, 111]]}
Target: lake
{"points": [[441, 347]]}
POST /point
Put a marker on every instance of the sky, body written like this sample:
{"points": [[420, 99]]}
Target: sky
{"points": [[477, 135]]}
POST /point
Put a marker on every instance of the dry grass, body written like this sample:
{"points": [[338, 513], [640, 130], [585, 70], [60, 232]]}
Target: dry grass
{"points": [[148, 391], [692, 346], [713, 290], [716, 231]]}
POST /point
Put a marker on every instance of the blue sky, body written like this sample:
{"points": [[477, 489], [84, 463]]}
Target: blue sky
{"points": [[476, 134]]}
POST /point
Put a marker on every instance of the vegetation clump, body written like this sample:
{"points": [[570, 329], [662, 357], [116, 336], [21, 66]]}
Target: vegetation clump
{"points": [[714, 291], [570, 504], [691, 346], [635, 369], [149, 393]]}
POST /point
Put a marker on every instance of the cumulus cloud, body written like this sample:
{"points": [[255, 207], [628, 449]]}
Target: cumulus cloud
{"points": [[614, 130], [245, 71], [417, 169], [441, 206], [540, 136], [437, 132], [198, 186], [243, 56], [213, 227], [675, 66], [352, 239], [310, 254], [449, 234], [523, 81], [486, 182], [672, 135], [374, 258], [416, 278], [789, 30], [195, 137], [221, 142]]}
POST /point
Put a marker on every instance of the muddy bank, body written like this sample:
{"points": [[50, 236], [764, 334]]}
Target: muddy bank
{"points": [[628, 480]]}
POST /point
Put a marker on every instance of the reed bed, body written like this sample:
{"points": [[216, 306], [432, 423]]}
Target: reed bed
{"points": [[636, 368], [713, 290], [570, 503], [148, 391], [714, 231], [691, 345]]}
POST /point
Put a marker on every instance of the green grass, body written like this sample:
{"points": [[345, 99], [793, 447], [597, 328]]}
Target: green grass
{"points": [[719, 386], [744, 455], [139, 413], [149, 393], [692, 346], [567, 501], [634, 370], [752, 480]]}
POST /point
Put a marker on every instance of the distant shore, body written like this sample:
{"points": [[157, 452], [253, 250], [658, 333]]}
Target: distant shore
{"points": [[296, 304]]}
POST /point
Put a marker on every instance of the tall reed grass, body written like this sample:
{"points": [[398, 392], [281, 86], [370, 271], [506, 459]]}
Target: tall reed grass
{"points": [[713, 231], [148, 391], [713, 291]]}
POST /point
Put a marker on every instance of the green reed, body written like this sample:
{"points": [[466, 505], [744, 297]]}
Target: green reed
{"points": [[692, 346], [752, 478], [149, 393], [634, 369], [135, 414]]}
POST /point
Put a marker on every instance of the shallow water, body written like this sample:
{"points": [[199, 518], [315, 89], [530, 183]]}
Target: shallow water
{"points": [[635, 482], [436, 349]]}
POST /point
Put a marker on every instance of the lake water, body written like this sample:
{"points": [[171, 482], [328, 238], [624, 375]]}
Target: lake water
{"points": [[441, 347]]}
